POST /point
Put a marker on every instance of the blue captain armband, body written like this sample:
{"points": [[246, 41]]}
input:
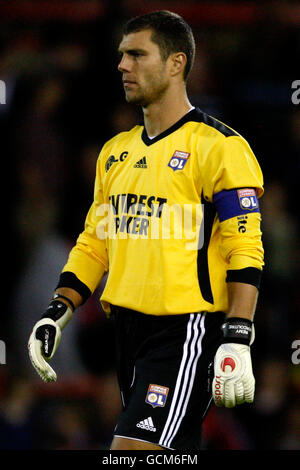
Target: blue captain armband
{"points": [[233, 202]]}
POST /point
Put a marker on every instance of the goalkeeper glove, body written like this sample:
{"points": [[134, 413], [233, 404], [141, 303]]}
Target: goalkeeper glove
{"points": [[234, 382], [46, 336]]}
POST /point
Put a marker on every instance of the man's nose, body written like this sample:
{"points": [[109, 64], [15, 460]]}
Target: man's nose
{"points": [[124, 64]]}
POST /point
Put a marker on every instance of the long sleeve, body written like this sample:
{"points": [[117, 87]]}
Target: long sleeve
{"points": [[88, 259], [235, 183]]}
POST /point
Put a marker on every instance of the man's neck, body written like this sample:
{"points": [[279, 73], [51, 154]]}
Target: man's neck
{"points": [[162, 114]]}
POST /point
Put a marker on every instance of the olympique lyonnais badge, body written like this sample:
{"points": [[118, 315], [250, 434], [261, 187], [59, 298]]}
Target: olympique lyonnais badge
{"points": [[156, 395], [248, 199], [178, 160]]}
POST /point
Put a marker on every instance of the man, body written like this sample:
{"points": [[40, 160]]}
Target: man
{"points": [[175, 221]]}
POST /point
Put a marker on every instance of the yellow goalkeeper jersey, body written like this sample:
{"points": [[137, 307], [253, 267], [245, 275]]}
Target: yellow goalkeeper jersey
{"points": [[173, 219]]}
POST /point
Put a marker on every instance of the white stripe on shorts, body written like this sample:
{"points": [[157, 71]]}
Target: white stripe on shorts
{"points": [[185, 380]]}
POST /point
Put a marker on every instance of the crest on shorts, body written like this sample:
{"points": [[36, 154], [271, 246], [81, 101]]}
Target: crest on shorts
{"points": [[156, 395], [247, 199], [178, 160]]}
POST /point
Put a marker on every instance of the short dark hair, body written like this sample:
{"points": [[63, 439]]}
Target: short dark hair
{"points": [[170, 32]]}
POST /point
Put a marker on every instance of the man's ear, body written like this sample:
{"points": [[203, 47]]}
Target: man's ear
{"points": [[177, 63]]}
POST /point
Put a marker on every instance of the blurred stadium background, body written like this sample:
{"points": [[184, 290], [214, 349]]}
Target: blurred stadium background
{"points": [[64, 99]]}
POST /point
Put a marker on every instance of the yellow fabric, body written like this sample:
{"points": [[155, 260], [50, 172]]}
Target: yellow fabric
{"points": [[154, 269]]}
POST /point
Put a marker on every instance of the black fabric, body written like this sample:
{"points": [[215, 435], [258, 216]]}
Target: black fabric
{"points": [[155, 350], [237, 330], [209, 213], [195, 115], [247, 276], [55, 310], [69, 279], [46, 334]]}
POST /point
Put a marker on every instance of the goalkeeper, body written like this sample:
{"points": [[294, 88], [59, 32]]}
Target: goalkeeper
{"points": [[183, 300]]}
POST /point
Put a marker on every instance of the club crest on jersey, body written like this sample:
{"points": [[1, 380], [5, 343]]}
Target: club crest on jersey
{"points": [[157, 395], [178, 160], [247, 199]]}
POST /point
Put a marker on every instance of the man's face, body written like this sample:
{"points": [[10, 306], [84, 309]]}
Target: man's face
{"points": [[144, 73]]}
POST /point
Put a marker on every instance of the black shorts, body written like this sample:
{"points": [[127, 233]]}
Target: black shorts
{"points": [[165, 372]]}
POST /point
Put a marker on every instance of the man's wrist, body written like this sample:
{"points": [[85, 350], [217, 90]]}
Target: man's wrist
{"points": [[70, 303], [237, 330], [59, 312]]}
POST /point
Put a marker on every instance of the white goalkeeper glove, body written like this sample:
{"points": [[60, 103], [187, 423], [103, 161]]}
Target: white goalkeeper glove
{"points": [[234, 382], [46, 336]]}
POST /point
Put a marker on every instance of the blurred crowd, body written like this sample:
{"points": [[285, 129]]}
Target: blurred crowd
{"points": [[64, 99]]}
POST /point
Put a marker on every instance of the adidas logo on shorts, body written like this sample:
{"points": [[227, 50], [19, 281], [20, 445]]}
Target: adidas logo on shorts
{"points": [[146, 424]]}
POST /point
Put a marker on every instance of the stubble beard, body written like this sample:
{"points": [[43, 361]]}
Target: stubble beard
{"points": [[155, 89]]}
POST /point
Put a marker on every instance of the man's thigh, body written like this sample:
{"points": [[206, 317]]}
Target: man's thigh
{"points": [[120, 443]]}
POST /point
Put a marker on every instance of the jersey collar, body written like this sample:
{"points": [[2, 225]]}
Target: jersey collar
{"points": [[187, 117]]}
